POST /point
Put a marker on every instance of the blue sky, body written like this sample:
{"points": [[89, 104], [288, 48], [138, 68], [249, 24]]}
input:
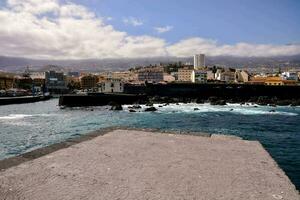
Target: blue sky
{"points": [[227, 21], [84, 29]]}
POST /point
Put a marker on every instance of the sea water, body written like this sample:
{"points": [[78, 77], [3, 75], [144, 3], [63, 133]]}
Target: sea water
{"points": [[26, 127]]}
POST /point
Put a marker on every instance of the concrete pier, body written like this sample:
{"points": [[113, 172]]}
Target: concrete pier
{"points": [[137, 164]]}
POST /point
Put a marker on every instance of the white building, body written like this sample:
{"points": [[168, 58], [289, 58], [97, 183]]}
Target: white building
{"points": [[111, 86], [241, 76], [199, 76], [225, 75], [290, 76], [199, 61]]}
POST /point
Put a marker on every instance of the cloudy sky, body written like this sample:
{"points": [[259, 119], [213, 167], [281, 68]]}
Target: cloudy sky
{"points": [[83, 29]]}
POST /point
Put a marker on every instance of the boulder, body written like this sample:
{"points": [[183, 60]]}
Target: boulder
{"points": [[136, 107], [132, 110], [151, 109], [196, 109]]}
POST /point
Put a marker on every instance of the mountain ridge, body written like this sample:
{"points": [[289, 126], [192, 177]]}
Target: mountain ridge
{"points": [[16, 64]]}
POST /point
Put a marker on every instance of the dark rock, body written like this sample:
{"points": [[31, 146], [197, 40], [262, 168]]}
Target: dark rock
{"points": [[219, 102], [200, 101], [149, 104], [196, 109], [151, 109], [231, 109], [272, 111], [136, 107], [284, 102], [132, 110], [160, 106]]}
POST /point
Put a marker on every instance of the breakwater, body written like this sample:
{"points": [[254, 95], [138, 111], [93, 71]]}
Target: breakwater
{"points": [[20, 100], [118, 165], [99, 99], [188, 92]]}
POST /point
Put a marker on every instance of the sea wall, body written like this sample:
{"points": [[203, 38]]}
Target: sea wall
{"points": [[188, 92], [221, 90], [99, 99], [20, 100]]}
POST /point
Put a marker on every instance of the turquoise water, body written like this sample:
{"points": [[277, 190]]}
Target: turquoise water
{"points": [[27, 127]]}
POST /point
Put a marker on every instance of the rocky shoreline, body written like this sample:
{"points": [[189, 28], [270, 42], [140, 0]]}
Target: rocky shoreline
{"points": [[261, 101]]}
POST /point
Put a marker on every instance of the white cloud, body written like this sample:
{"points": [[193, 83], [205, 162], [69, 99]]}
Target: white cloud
{"points": [[163, 29], [211, 47], [51, 29], [133, 21]]}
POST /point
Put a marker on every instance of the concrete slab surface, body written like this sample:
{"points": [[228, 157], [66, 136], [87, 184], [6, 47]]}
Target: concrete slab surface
{"points": [[131, 164]]}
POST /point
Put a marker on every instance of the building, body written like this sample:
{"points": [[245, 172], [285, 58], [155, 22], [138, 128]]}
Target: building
{"points": [[290, 76], [175, 75], [279, 81], [6, 81], [257, 80], [241, 76], [151, 75], [38, 79], [210, 75], [125, 76], [55, 81], [111, 86], [185, 75], [225, 75], [89, 81], [272, 81], [199, 61], [199, 76], [73, 74], [168, 78]]}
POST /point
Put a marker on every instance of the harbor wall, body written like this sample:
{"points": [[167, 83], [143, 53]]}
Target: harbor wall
{"points": [[99, 99], [186, 92], [21, 100]]}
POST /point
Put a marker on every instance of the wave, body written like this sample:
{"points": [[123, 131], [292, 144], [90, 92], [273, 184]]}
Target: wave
{"points": [[22, 116], [15, 116], [207, 108]]}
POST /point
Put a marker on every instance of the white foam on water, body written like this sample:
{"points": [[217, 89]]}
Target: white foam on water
{"points": [[250, 109], [22, 116], [15, 116]]}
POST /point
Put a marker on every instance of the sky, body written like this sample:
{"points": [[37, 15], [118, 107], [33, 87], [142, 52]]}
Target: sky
{"points": [[84, 29]]}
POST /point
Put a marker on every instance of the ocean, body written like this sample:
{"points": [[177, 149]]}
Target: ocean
{"points": [[26, 127]]}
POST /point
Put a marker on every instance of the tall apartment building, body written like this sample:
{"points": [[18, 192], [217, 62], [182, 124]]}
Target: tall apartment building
{"points": [[199, 61]]}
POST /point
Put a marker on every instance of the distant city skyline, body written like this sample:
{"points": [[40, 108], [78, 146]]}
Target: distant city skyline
{"points": [[85, 29]]}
